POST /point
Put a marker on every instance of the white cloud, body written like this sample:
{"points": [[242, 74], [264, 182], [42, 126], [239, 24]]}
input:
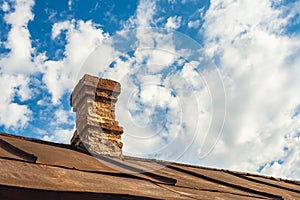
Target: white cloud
{"points": [[5, 6], [145, 13], [260, 82], [70, 2], [287, 165], [194, 24], [57, 28], [82, 38], [13, 115], [60, 136], [173, 22], [22, 13], [160, 57], [147, 107], [16, 116], [19, 59], [16, 65], [143, 17], [63, 117]]}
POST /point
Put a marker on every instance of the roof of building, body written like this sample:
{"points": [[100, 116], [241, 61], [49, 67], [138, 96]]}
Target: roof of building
{"points": [[31, 168]]}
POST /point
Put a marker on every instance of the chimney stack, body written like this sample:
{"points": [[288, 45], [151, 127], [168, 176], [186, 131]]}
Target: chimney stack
{"points": [[97, 131]]}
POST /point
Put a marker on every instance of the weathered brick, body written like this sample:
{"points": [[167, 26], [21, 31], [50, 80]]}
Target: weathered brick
{"points": [[97, 130]]}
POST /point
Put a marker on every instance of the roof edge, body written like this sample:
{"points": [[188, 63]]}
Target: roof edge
{"points": [[68, 146]]}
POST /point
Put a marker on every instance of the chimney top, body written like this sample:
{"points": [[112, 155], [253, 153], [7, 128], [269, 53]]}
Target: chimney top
{"points": [[97, 131]]}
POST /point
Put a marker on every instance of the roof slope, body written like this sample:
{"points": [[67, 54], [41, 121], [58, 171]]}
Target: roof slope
{"points": [[32, 168]]}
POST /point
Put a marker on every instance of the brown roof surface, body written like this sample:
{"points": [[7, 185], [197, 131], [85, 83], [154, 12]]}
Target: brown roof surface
{"points": [[32, 168]]}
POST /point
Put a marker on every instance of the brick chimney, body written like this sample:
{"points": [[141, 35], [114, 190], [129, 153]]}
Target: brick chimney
{"points": [[97, 131]]}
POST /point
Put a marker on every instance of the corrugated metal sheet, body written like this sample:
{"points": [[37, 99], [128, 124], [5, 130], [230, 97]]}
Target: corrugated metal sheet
{"points": [[30, 168]]}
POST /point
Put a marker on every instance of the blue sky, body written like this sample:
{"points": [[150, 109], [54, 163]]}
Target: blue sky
{"points": [[213, 83]]}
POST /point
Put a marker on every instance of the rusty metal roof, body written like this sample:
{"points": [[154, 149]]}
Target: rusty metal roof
{"points": [[31, 169]]}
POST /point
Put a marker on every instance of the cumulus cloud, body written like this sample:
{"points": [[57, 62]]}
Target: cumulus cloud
{"points": [[61, 75], [19, 59], [261, 85], [13, 115], [82, 38], [173, 22], [145, 13], [158, 106], [16, 65], [62, 117], [60, 136]]}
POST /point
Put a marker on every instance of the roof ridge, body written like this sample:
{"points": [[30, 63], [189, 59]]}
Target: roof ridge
{"points": [[297, 182], [68, 146], [38, 141]]}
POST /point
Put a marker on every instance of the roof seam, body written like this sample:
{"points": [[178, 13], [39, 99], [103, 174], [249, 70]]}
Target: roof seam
{"points": [[226, 183], [220, 191], [33, 193], [117, 174], [296, 182], [17, 151], [264, 183]]}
